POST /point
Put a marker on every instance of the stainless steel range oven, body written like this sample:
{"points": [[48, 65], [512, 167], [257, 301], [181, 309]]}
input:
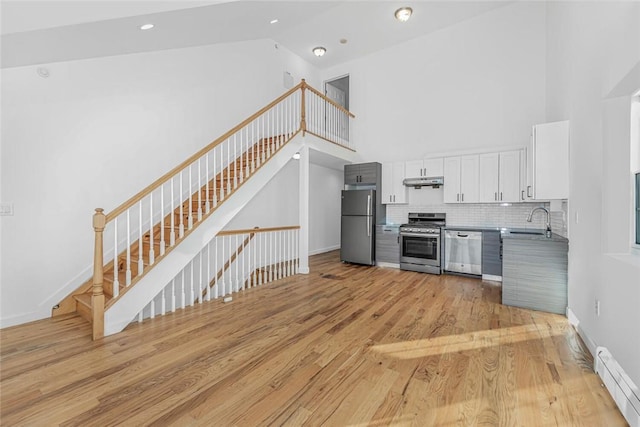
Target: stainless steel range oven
{"points": [[420, 241]]}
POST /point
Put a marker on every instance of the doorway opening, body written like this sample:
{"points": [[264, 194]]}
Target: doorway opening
{"points": [[337, 89]]}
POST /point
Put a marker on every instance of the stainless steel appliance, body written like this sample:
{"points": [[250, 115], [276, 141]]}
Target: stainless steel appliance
{"points": [[420, 242], [358, 226], [463, 252]]}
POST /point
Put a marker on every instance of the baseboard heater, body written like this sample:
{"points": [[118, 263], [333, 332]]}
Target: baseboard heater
{"points": [[622, 389]]}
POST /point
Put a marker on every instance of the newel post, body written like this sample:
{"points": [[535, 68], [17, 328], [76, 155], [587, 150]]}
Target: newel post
{"points": [[303, 113], [97, 297]]}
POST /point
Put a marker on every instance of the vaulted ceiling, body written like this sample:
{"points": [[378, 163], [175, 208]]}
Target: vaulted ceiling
{"points": [[37, 32]]}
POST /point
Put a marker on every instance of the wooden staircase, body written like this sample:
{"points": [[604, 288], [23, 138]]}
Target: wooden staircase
{"points": [[100, 299], [214, 194]]}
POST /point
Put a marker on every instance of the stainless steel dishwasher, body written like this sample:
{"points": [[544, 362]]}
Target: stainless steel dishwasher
{"points": [[463, 252]]}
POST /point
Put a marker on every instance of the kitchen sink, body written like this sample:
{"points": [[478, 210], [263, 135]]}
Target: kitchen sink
{"points": [[535, 233]]}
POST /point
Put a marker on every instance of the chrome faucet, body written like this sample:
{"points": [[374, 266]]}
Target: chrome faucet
{"points": [[548, 231]]}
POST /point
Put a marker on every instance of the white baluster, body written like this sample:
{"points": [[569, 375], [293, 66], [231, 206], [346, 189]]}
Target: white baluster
{"points": [[128, 272], [163, 304], [254, 265], [152, 252], [208, 280], [262, 151], [287, 249], [215, 178], [183, 293], [242, 255], [181, 201], [192, 296], [228, 165], [269, 133], [271, 256], [253, 146], [215, 267], [190, 205], [172, 233], [297, 250], [173, 295], [207, 208], [200, 288], [237, 262], [162, 243], [235, 160], [200, 190], [140, 260], [259, 256], [116, 284]]}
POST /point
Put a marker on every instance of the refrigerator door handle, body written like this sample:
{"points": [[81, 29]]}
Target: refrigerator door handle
{"points": [[368, 226], [368, 204]]}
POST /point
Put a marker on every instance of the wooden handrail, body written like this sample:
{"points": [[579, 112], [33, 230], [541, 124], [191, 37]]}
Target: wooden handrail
{"points": [[257, 230], [331, 101], [164, 178]]}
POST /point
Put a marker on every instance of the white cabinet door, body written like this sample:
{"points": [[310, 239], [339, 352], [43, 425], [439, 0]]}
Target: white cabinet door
{"points": [[400, 191], [489, 177], [452, 179], [393, 190], [433, 167], [509, 179], [551, 161], [414, 169], [387, 183], [469, 188]]}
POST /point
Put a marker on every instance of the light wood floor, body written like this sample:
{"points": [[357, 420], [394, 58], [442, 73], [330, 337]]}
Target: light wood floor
{"points": [[346, 345]]}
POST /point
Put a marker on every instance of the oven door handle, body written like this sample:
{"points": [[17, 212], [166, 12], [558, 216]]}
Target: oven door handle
{"points": [[436, 236]]}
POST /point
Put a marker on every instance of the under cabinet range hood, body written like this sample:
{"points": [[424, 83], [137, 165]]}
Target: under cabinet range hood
{"points": [[434, 181]]}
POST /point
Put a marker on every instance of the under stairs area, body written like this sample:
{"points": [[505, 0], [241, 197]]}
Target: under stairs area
{"points": [[165, 249]]}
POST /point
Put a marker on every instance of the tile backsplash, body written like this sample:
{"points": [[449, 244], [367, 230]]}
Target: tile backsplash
{"points": [[483, 214]]}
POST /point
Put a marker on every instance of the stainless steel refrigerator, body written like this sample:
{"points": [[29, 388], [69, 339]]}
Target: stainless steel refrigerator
{"points": [[358, 226]]}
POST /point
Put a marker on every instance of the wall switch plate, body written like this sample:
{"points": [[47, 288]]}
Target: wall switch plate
{"points": [[6, 209]]}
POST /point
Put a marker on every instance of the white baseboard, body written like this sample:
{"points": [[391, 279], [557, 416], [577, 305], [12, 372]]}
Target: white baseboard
{"points": [[323, 250], [492, 278]]}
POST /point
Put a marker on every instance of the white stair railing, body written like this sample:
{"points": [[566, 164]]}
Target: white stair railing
{"points": [[327, 119], [231, 262]]}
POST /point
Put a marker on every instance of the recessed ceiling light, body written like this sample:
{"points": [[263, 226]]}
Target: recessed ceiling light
{"points": [[343, 41], [146, 26], [403, 14], [296, 155], [319, 51], [273, 21]]}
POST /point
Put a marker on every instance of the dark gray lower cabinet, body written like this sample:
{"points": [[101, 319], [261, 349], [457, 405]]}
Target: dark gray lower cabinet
{"points": [[534, 274], [491, 256], [388, 244]]}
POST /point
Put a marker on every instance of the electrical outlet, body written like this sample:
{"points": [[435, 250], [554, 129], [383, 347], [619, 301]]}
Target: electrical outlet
{"points": [[597, 307], [6, 209]]}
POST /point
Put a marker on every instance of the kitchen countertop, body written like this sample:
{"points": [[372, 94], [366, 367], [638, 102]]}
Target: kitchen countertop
{"points": [[506, 233]]}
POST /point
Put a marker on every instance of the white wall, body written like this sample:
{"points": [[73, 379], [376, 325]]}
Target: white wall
{"points": [[480, 83], [96, 132], [593, 52], [277, 205]]}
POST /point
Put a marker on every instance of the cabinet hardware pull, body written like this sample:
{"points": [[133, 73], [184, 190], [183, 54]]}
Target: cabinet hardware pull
{"points": [[501, 195], [522, 194], [495, 196], [462, 198], [528, 192], [458, 197]]}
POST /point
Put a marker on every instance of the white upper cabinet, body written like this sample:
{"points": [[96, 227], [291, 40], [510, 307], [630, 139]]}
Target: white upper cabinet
{"points": [[489, 177], [549, 177], [393, 190], [500, 177], [426, 168], [461, 179], [509, 176]]}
